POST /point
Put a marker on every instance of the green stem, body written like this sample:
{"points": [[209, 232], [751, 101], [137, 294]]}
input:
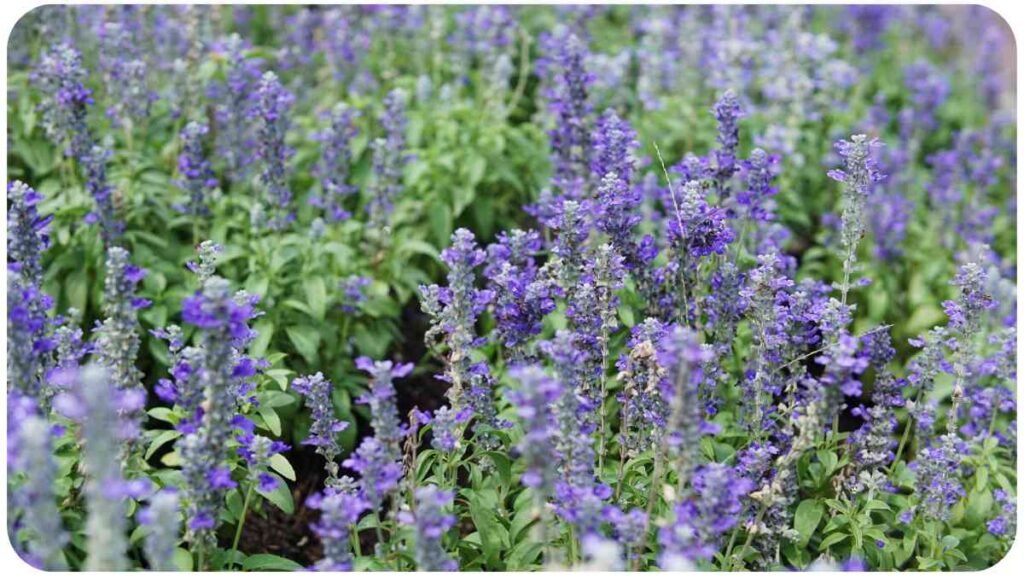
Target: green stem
{"points": [[750, 535], [241, 521]]}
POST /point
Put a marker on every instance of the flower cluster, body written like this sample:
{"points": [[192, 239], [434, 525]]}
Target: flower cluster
{"points": [[197, 177], [335, 158], [323, 433], [271, 112]]}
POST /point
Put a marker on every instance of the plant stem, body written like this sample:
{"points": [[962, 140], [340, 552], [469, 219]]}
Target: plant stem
{"points": [[241, 521]]}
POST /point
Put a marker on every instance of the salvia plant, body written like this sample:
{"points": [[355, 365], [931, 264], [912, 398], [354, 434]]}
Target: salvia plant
{"points": [[496, 288]]}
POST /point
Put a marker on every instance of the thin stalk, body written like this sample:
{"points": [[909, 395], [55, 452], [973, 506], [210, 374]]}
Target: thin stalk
{"points": [[241, 521], [524, 61]]}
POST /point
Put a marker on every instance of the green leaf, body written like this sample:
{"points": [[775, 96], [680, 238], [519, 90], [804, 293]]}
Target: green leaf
{"points": [[264, 333], [269, 562], [808, 516], [306, 340], [281, 465], [493, 536], [280, 496], [164, 414], [316, 297], [271, 419], [503, 466], [164, 437], [828, 459], [183, 560], [831, 539]]}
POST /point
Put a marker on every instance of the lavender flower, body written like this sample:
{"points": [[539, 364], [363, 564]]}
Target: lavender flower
{"points": [[36, 497], [353, 292], [326, 426], [117, 338], [124, 75], [234, 103], [346, 43], [522, 295], [60, 77], [223, 323], [694, 534], [755, 201], [184, 389], [27, 234], [644, 410], [28, 341], [445, 426], [379, 473], [389, 158], [727, 111], [335, 158], [764, 298], [69, 341], [271, 111], [858, 178], [534, 400], [257, 451], [300, 43], [339, 513], [88, 402], [431, 522], [387, 427], [938, 477], [94, 164], [197, 178], [682, 358], [1005, 524], [454, 310], [966, 313], [568, 104], [163, 521], [697, 229], [872, 445]]}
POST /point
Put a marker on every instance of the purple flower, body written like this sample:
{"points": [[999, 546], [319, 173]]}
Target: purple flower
{"points": [[535, 399], [117, 338], [33, 501], [28, 338], [325, 427], [94, 165], [335, 159], [124, 74], [389, 159], [858, 178], [522, 296], [60, 78], [220, 479], [88, 402], [727, 111], [387, 427], [453, 311], [339, 513], [197, 177], [233, 105], [162, 520], [379, 472], [701, 520], [445, 424], [353, 290], [431, 522], [755, 200], [568, 103], [271, 110]]}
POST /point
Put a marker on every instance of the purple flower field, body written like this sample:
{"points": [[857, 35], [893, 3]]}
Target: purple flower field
{"points": [[511, 288]]}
